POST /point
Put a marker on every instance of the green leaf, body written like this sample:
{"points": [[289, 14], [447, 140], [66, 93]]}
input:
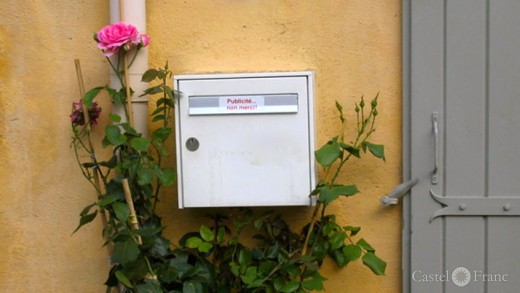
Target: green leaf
{"points": [[328, 153], [160, 247], [158, 110], [123, 279], [235, 269], [158, 118], [314, 283], [329, 228], [149, 75], [354, 151], [193, 242], [160, 102], [121, 210], [114, 136], [378, 150], [377, 265], [85, 220], [344, 190], [144, 175], [146, 232], [86, 209], [250, 277], [151, 286], [364, 244], [220, 235], [352, 252], [204, 247], [266, 267], [116, 96], [292, 269], [192, 287], [206, 233], [185, 237], [114, 117], [319, 250], [136, 270], [326, 195], [130, 130], [244, 258], [153, 90], [257, 253], [282, 286], [339, 257], [108, 200], [125, 252], [169, 92], [161, 134], [105, 142], [167, 176], [353, 230], [310, 262], [90, 95], [273, 251], [140, 143], [337, 240]]}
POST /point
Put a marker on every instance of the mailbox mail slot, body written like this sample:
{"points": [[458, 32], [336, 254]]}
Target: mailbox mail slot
{"points": [[245, 139]]}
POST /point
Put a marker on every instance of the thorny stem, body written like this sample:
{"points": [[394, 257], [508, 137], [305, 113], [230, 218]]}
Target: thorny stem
{"points": [[116, 71], [133, 58], [129, 111], [159, 185], [121, 80]]}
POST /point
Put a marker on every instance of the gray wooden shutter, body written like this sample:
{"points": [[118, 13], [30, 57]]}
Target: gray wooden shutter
{"points": [[462, 61]]}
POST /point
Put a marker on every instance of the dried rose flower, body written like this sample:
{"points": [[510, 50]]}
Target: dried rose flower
{"points": [[77, 117]]}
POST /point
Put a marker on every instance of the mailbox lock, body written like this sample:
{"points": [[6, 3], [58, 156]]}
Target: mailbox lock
{"points": [[192, 144]]}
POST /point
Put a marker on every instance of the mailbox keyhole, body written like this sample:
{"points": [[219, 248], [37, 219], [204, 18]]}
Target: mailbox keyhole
{"points": [[192, 144]]}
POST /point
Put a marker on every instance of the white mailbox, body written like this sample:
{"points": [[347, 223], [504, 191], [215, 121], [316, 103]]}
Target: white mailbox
{"points": [[245, 139]]}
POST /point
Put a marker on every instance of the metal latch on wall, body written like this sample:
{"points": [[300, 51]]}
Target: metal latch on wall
{"points": [[399, 191]]}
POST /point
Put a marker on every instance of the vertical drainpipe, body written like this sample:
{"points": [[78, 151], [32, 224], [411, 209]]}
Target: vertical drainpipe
{"points": [[134, 13]]}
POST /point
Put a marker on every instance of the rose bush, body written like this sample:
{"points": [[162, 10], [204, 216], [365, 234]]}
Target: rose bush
{"points": [[215, 259]]}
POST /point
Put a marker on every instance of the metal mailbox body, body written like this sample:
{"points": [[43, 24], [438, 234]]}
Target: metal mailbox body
{"points": [[245, 139]]}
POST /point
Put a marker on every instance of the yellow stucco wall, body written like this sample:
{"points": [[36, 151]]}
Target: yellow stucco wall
{"points": [[352, 45]]}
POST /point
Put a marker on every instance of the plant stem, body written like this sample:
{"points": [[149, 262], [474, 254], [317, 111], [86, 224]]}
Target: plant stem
{"points": [[340, 166], [128, 93], [311, 228], [159, 185]]}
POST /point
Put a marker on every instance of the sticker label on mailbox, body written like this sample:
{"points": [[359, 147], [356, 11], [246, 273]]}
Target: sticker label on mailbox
{"points": [[240, 104], [246, 104]]}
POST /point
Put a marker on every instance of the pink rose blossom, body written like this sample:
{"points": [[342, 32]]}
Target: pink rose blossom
{"points": [[112, 37], [145, 40]]}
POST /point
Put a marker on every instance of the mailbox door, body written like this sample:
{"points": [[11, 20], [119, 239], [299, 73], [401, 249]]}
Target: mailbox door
{"points": [[244, 149]]}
